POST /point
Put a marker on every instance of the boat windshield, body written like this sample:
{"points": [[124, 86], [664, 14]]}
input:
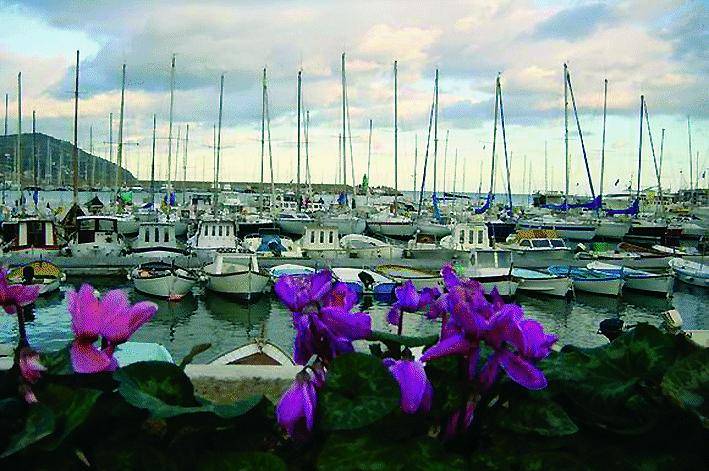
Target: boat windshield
{"points": [[541, 243], [558, 243]]}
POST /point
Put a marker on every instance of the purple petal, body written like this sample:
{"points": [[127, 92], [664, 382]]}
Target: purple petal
{"points": [[412, 382], [456, 344], [340, 296], [427, 297], [85, 358], [120, 320], [394, 314], [290, 409], [30, 367], [505, 327], [303, 346], [24, 294], [85, 312], [310, 402], [427, 398], [353, 325], [488, 373], [320, 284], [450, 279], [407, 297], [522, 371], [473, 361], [537, 344]]}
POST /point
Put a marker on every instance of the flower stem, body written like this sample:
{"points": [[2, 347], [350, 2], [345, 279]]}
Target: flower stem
{"points": [[22, 340], [400, 326]]}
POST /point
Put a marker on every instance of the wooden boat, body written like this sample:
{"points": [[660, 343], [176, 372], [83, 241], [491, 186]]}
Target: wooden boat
{"points": [[365, 282], [239, 277], [693, 273], [258, 352], [588, 280], [538, 282], [163, 280], [660, 283], [289, 269], [361, 246], [420, 278], [40, 272]]}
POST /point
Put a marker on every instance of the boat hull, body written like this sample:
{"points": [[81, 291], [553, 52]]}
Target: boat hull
{"points": [[658, 284], [386, 252], [565, 231], [552, 286], [606, 287], [245, 285], [541, 258], [96, 250], [172, 287], [432, 228], [392, 229], [612, 230]]}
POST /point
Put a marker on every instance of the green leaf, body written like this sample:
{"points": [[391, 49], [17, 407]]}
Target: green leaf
{"points": [[536, 415], [370, 452], [71, 407], [38, 424], [687, 384], [403, 340], [58, 362], [359, 391], [196, 350], [247, 461], [161, 380]]}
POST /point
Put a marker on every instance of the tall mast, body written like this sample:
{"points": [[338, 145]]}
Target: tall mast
{"points": [[344, 126], [546, 164], [119, 156], [494, 144], [640, 144], [435, 133], [177, 152], [263, 132], [306, 130], [524, 174], [652, 150], [169, 129], [184, 164], [578, 127], [603, 138], [369, 159], [18, 143], [396, 140], [219, 143], [270, 154], [445, 162], [6, 103], [110, 144], [34, 150], [504, 143], [566, 139], [691, 178], [662, 153], [416, 158], [75, 159], [152, 165], [455, 170], [93, 157], [297, 183]]}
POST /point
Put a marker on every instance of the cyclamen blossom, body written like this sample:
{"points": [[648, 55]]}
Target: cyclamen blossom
{"points": [[30, 367], [322, 317], [416, 390], [296, 409], [16, 295], [112, 318], [408, 299]]}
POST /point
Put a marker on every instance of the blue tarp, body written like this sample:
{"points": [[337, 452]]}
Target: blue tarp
{"points": [[270, 242], [486, 206], [632, 210]]}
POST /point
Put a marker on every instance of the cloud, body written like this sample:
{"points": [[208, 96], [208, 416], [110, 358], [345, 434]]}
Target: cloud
{"points": [[575, 22]]}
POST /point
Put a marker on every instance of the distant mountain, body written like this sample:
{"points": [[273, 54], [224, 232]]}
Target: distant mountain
{"points": [[54, 162]]}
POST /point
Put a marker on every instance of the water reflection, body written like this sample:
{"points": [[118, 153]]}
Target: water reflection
{"points": [[249, 317]]}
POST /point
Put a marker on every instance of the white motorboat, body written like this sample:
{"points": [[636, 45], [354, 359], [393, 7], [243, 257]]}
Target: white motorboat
{"points": [[365, 282], [322, 242], [538, 282], [390, 225], [639, 280], [97, 237], [592, 281], [31, 236], [426, 246], [163, 280], [47, 275], [628, 255], [345, 223], [608, 228], [294, 223], [466, 237], [693, 273], [361, 246], [567, 229], [289, 269], [537, 248], [434, 228], [156, 240], [493, 269], [214, 236], [269, 243], [239, 277]]}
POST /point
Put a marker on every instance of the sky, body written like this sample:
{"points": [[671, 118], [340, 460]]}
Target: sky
{"points": [[651, 47]]}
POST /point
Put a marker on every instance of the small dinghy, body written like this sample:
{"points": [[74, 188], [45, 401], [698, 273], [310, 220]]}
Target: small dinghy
{"points": [[163, 280], [693, 273], [258, 352], [270, 243], [420, 278], [241, 278], [660, 283], [365, 282], [361, 246], [592, 281], [289, 269], [538, 282], [41, 272]]}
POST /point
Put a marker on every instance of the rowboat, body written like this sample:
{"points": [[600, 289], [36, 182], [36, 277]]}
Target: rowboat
{"points": [[361, 246], [365, 282], [539, 282], [241, 278], [420, 278], [592, 281], [289, 269], [640, 280], [257, 352], [163, 280], [693, 273], [39, 272]]}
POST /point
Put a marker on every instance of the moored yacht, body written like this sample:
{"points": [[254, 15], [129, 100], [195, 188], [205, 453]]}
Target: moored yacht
{"points": [[214, 236], [96, 236], [269, 243], [361, 246], [493, 269], [659, 283], [163, 280], [156, 240], [293, 222], [322, 242], [537, 248], [567, 229], [391, 225], [539, 282], [239, 276], [465, 238], [33, 236]]}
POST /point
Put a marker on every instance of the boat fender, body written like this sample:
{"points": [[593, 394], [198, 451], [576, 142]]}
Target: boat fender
{"points": [[611, 328]]}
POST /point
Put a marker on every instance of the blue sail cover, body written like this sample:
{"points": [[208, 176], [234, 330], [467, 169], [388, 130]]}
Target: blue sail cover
{"points": [[486, 206], [436, 209], [595, 203], [342, 199], [632, 210]]}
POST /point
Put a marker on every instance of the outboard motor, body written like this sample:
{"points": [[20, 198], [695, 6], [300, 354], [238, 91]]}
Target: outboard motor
{"points": [[367, 280], [611, 328], [275, 247]]}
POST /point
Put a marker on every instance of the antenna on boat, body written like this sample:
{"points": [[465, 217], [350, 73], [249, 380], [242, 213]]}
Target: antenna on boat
{"points": [[263, 131], [75, 159], [119, 157], [184, 164]]}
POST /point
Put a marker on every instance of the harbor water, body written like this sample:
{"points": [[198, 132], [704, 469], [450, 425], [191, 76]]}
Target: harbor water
{"points": [[226, 323]]}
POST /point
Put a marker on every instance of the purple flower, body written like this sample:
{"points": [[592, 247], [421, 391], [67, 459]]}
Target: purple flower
{"points": [[30, 367], [408, 299], [295, 412], [454, 424], [322, 317], [112, 318], [16, 295], [416, 389]]}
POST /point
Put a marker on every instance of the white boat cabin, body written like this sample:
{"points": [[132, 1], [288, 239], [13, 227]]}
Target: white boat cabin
{"points": [[95, 229], [155, 234], [29, 233], [216, 234], [320, 238], [469, 237]]}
